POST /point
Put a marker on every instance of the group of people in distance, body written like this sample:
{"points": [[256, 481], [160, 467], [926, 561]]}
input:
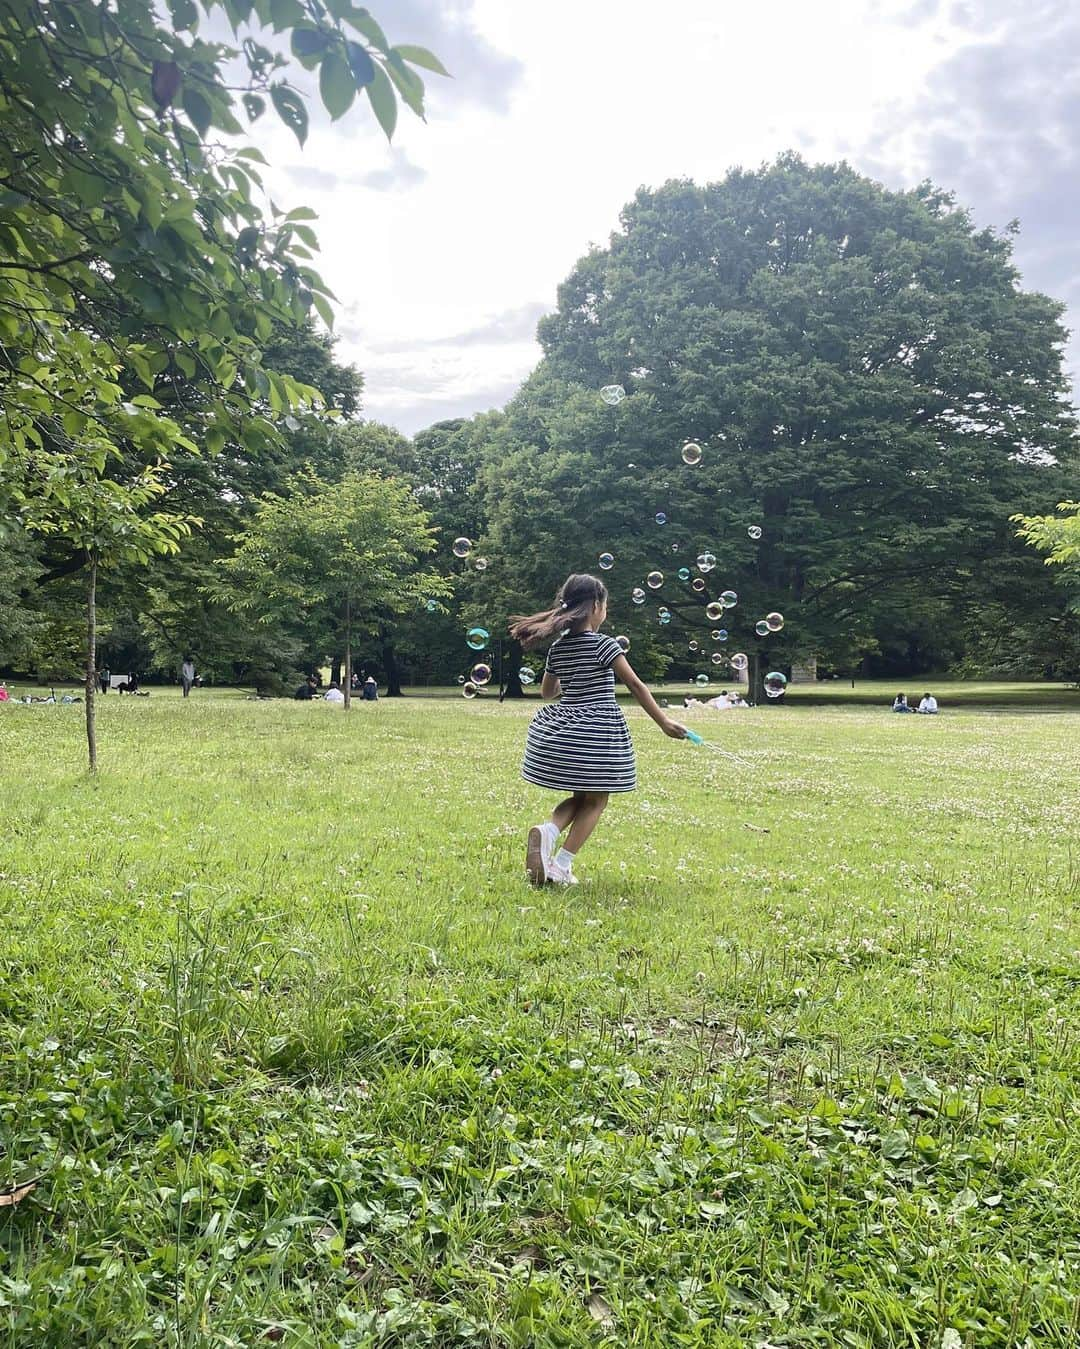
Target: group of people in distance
{"points": [[721, 703], [928, 705], [309, 690]]}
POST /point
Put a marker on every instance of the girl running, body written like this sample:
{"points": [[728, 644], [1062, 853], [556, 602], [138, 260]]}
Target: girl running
{"points": [[581, 744]]}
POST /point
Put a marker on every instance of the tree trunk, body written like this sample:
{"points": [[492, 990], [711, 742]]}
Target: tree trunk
{"points": [[514, 657], [390, 665], [348, 656], [91, 663], [335, 671]]}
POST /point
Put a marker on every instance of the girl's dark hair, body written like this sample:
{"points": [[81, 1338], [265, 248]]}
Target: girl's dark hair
{"points": [[574, 602]]}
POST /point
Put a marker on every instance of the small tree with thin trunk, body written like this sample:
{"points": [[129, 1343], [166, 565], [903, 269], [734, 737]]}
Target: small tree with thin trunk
{"points": [[331, 559]]}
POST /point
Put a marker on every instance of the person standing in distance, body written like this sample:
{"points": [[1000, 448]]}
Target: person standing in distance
{"points": [[187, 675], [581, 744]]}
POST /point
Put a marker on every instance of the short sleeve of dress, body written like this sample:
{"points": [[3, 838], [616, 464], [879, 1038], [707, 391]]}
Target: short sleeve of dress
{"points": [[608, 652], [548, 667]]}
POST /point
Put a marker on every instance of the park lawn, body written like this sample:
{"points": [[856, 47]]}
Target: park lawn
{"points": [[298, 1057]]}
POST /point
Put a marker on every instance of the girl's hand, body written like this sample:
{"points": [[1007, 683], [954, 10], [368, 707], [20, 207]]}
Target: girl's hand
{"points": [[673, 729]]}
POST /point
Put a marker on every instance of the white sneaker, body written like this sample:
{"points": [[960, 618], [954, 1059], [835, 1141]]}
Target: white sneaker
{"points": [[549, 843], [558, 875]]}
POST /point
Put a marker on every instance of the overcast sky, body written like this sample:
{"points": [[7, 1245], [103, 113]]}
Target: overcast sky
{"points": [[445, 249]]}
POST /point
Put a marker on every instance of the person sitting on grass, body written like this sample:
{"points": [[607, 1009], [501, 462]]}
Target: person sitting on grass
{"points": [[900, 703], [333, 694], [928, 706], [371, 689]]}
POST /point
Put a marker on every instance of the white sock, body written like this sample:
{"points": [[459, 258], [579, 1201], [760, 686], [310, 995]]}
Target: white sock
{"points": [[565, 859]]}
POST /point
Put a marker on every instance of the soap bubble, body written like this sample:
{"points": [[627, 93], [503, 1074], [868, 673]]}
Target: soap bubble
{"points": [[684, 573], [661, 518], [775, 683], [461, 679], [728, 599], [706, 562], [740, 660], [721, 636], [612, 394], [754, 531], [664, 615], [654, 580], [469, 690], [761, 628], [674, 547], [480, 674], [477, 638], [717, 658], [624, 643], [715, 634], [714, 610], [637, 595], [691, 453], [431, 606], [526, 675], [462, 547], [701, 680], [775, 621], [606, 561], [693, 646], [698, 584], [481, 564]]}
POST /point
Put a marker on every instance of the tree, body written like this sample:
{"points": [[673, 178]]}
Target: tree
{"points": [[1058, 536], [870, 386], [333, 560]]}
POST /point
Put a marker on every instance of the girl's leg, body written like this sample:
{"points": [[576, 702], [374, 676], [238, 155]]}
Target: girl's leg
{"points": [[585, 820], [565, 811]]}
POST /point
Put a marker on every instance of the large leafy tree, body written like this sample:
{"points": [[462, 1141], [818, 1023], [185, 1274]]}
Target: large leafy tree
{"points": [[334, 560], [869, 383]]}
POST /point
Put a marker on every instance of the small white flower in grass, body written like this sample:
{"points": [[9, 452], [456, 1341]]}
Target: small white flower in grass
{"points": [[951, 1339]]}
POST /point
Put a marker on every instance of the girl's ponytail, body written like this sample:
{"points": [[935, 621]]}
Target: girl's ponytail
{"points": [[577, 597]]}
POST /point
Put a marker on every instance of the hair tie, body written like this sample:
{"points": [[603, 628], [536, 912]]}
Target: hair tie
{"points": [[565, 605]]}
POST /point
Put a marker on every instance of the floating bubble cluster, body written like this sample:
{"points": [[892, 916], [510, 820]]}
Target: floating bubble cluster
{"points": [[754, 531], [775, 621], [462, 547], [606, 561], [477, 638], [691, 453], [612, 394], [654, 580], [526, 675], [480, 674], [637, 595], [624, 643]]}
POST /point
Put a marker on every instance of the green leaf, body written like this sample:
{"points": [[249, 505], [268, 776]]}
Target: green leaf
{"points": [[184, 14], [336, 85], [362, 21], [409, 84], [309, 41], [291, 109], [286, 14], [420, 56], [254, 106], [361, 64], [380, 92], [322, 307], [198, 110]]}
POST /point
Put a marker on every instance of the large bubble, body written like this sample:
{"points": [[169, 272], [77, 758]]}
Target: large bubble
{"points": [[706, 562], [775, 621], [624, 643], [684, 573], [754, 531], [637, 595], [462, 547], [431, 606], [728, 599], [661, 517], [480, 674], [740, 660], [612, 394], [701, 680], [477, 638], [714, 610], [606, 561], [691, 453], [469, 690], [775, 683], [654, 580], [761, 628], [526, 675]]}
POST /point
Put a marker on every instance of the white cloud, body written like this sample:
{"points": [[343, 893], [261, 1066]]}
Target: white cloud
{"points": [[556, 116]]}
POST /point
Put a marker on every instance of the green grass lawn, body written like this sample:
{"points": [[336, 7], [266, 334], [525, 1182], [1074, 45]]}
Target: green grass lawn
{"points": [[298, 1056]]}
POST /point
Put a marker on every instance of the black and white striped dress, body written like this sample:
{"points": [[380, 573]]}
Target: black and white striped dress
{"points": [[582, 742]]}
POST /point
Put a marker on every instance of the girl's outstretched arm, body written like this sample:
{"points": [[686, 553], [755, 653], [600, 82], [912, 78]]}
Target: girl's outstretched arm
{"points": [[624, 671]]}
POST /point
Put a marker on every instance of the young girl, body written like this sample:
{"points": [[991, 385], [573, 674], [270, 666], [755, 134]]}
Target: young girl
{"points": [[581, 744]]}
